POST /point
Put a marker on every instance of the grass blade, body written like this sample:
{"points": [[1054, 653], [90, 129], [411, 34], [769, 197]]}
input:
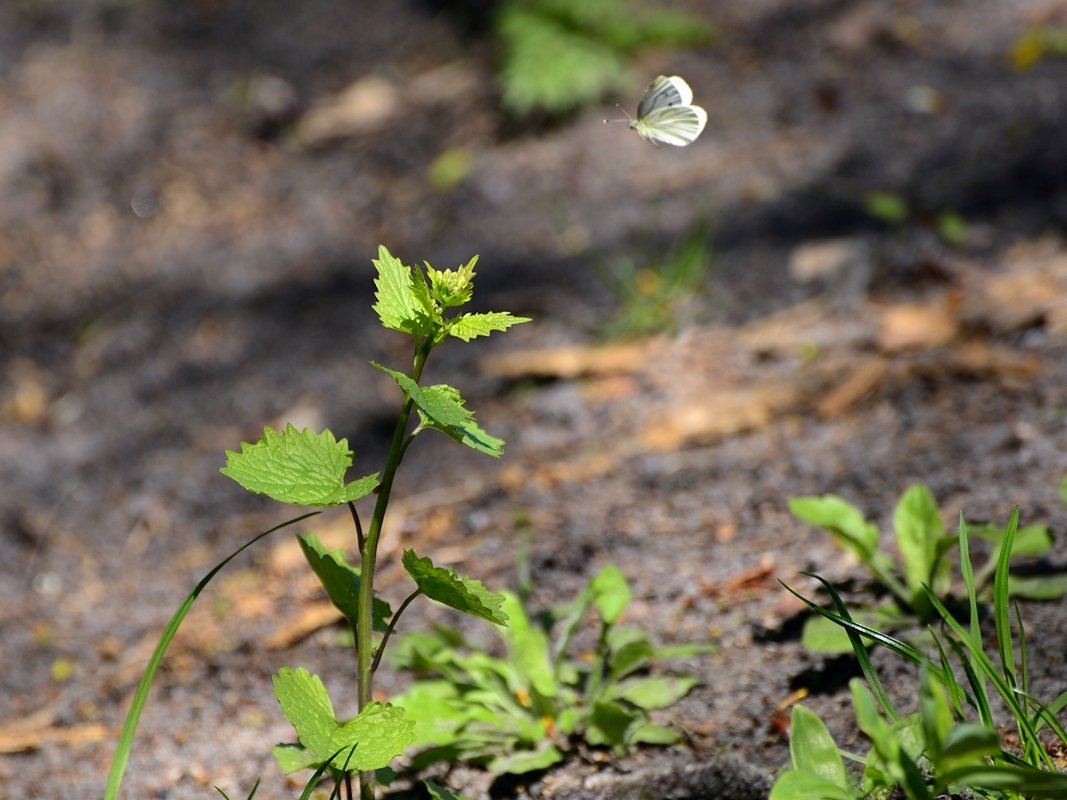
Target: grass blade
{"points": [[1000, 602], [133, 717]]}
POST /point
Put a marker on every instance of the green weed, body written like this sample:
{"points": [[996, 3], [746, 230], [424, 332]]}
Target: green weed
{"points": [[521, 713], [305, 468], [653, 297], [953, 742], [921, 565]]}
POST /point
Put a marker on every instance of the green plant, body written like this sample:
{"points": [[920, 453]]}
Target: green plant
{"points": [[518, 713], [305, 468], [952, 742], [557, 55], [893, 209], [922, 563], [652, 297]]}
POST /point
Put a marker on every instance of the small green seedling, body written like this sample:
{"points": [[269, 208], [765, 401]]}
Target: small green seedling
{"points": [[307, 468], [653, 298], [921, 563], [520, 713], [953, 741]]}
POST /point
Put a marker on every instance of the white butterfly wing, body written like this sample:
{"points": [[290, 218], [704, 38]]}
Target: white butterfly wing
{"points": [[675, 125], [664, 92]]}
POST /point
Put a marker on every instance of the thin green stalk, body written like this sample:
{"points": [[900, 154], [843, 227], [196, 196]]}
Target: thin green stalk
{"points": [[392, 626], [368, 555]]}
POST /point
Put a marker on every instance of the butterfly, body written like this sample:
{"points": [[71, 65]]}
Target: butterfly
{"points": [[666, 113]]}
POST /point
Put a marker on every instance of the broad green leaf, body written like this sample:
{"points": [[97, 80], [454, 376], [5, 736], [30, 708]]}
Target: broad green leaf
{"points": [[813, 749], [461, 593], [519, 762], [842, 519], [919, 530], [440, 792], [439, 712], [650, 733], [935, 713], [969, 742], [341, 581], [300, 467], [1033, 783], [469, 326], [380, 733], [293, 757], [441, 407], [611, 593], [655, 692], [400, 304], [306, 704], [1038, 587], [609, 723], [1030, 540], [528, 648], [797, 784], [629, 658], [452, 288], [822, 635]]}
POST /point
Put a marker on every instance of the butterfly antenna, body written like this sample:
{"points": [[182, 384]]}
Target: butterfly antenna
{"points": [[624, 111]]}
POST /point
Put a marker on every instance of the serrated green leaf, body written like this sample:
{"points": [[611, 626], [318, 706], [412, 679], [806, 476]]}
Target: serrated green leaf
{"points": [[299, 467], [400, 302], [455, 591], [341, 581], [441, 407], [813, 749], [306, 704], [293, 757], [655, 692], [842, 519], [469, 326], [611, 593], [380, 733], [452, 288]]}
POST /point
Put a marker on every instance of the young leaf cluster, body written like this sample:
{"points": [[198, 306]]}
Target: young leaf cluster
{"points": [[520, 713], [953, 741], [922, 563]]}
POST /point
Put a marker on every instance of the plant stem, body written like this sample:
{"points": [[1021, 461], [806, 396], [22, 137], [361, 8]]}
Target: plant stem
{"points": [[368, 554], [391, 628]]}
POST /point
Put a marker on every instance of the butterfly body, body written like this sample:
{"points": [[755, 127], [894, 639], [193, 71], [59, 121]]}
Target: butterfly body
{"points": [[666, 113]]}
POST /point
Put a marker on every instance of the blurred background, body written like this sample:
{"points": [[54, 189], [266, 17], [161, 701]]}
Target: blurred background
{"points": [[854, 279]]}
